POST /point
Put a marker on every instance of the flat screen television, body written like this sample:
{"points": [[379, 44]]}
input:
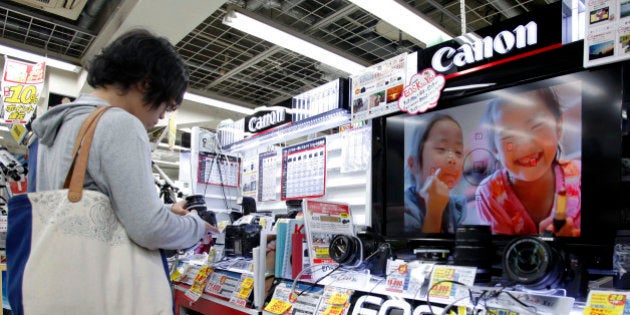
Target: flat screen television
{"points": [[589, 136]]}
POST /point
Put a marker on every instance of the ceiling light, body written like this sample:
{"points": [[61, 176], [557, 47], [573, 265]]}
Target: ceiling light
{"points": [[281, 38], [24, 55], [216, 103], [404, 19]]}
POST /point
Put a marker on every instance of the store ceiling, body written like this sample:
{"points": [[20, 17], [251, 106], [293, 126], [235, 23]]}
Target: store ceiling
{"points": [[226, 63], [243, 68]]}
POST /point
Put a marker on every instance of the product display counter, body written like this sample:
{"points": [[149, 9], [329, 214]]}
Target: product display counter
{"points": [[207, 304]]}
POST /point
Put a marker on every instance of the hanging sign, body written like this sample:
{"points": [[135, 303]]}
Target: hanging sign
{"points": [[607, 37], [422, 92], [22, 85], [266, 119], [516, 38], [375, 91]]}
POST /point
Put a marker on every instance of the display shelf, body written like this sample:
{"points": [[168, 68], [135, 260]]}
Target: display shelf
{"points": [[290, 131], [447, 293], [207, 304]]}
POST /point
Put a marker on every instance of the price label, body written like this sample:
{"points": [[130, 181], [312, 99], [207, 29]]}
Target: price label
{"points": [[244, 293], [333, 310], [441, 290], [605, 303], [247, 283], [601, 311], [338, 299], [276, 306]]}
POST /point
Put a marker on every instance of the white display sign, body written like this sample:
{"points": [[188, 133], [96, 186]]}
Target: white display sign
{"points": [[607, 38], [422, 93], [375, 91]]}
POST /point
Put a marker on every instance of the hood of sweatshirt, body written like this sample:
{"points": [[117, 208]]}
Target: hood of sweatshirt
{"points": [[47, 125]]}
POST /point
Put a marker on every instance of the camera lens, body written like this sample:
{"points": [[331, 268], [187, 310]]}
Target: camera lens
{"points": [[344, 250], [531, 261], [196, 202]]}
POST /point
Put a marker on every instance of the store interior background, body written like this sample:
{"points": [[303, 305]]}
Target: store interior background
{"points": [[227, 64]]}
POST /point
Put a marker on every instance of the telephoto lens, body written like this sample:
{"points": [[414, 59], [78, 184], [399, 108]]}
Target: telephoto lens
{"points": [[198, 202]]}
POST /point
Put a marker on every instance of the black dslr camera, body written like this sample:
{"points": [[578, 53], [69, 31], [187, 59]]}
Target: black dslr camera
{"points": [[541, 264], [241, 239], [198, 202], [364, 251]]}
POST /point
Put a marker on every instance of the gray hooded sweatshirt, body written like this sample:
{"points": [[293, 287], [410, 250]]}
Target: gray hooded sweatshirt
{"points": [[119, 166]]}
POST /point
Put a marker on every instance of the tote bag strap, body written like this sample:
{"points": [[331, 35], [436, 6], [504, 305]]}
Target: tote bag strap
{"points": [[76, 173]]}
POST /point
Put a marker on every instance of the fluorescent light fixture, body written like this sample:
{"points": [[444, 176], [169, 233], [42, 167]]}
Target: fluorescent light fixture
{"points": [[218, 104], [271, 34], [404, 19], [50, 62]]}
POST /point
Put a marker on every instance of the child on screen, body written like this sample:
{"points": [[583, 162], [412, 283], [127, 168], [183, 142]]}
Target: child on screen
{"points": [[534, 191], [435, 164]]}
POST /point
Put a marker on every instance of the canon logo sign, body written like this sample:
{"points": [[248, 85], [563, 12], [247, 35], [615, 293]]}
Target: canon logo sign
{"points": [[265, 120], [504, 42]]}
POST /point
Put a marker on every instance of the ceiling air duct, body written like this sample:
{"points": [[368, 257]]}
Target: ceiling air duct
{"points": [[69, 9]]}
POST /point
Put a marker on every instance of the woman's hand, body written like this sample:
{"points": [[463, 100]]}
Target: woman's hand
{"points": [[179, 207]]}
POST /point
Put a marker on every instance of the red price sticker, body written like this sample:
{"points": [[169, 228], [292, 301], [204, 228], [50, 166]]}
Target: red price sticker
{"points": [[617, 299]]}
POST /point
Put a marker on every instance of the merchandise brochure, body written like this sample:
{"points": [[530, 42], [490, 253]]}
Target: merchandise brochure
{"points": [[375, 91], [607, 35], [322, 221]]}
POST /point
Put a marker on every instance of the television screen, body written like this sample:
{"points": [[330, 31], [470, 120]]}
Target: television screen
{"points": [[537, 158]]}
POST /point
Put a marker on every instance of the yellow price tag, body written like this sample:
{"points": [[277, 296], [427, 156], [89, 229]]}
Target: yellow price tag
{"points": [[606, 303], [338, 299], [244, 293], [176, 275], [589, 310], [247, 283], [18, 131], [277, 307], [333, 310]]}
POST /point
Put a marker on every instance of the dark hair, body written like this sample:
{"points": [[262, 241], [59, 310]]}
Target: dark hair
{"points": [[546, 94], [141, 57], [420, 141]]}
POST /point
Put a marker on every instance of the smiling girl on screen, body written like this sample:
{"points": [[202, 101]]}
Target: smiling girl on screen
{"points": [[524, 133], [435, 164]]}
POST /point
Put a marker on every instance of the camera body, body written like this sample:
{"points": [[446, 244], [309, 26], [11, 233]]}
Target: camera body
{"points": [[198, 203], [540, 263], [241, 239], [364, 251]]}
